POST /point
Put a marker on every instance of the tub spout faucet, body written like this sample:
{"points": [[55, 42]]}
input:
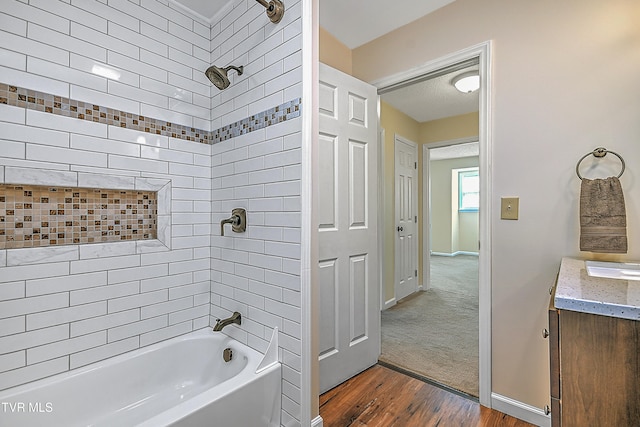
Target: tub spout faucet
{"points": [[221, 323]]}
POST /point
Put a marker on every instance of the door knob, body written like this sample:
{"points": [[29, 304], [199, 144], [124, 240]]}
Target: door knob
{"points": [[545, 333], [400, 228]]}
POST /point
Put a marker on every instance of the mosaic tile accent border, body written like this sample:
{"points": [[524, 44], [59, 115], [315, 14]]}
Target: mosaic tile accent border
{"points": [[48, 103], [274, 115], [38, 216]]}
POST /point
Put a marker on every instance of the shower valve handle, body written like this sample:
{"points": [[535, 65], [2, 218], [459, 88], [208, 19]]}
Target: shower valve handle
{"points": [[238, 221]]}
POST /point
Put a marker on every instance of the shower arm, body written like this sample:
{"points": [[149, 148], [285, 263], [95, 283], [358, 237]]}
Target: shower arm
{"points": [[239, 69], [275, 9]]}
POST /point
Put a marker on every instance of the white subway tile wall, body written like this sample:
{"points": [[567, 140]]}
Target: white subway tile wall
{"points": [[147, 57], [64, 309], [258, 273]]}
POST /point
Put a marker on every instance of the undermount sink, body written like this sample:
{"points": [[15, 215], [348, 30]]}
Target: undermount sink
{"points": [[613, 270]]}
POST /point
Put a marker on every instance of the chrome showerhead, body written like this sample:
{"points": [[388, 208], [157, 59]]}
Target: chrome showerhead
{"points": [[218, 76]]}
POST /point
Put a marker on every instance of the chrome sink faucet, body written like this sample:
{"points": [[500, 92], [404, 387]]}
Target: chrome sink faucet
{"points": [[221, 323]]}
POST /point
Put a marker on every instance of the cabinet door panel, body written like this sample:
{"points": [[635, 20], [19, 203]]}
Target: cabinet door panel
{"points": [[556, 412], [599, 366]]}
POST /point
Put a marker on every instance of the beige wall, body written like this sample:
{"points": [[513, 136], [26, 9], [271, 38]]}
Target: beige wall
{"points": [[451, 231], [565, 80], [334, 53], [461, 126], [469, 232]]}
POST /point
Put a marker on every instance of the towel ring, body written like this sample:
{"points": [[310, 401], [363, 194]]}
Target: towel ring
{"points": [[600, 152]]}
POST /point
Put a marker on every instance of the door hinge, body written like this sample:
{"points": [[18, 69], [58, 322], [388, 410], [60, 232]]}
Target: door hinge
{"points": [[415, 165], [416, 273], [415, 219]]}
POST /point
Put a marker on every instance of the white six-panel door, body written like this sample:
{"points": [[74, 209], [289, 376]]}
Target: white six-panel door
{"points": [[347, 222], [406, 212]]}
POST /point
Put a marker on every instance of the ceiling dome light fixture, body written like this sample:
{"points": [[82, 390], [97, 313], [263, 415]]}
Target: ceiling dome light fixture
{"points": [[467, 82]]}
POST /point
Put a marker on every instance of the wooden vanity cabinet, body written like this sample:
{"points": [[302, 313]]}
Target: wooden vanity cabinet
{"points": [[595, 369]]}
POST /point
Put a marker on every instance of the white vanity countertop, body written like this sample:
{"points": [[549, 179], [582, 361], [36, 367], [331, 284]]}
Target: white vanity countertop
{"points": [[578, 291]]}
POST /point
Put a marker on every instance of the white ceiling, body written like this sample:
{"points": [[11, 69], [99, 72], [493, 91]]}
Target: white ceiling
{"points": [[336, 16], [206, 9], [468, 149], [433, 99], [355, 22]]}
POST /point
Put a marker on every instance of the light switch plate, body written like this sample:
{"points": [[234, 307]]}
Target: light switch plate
{"points": [[509, 208]]}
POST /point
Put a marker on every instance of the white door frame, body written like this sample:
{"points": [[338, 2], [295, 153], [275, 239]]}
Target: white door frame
{"points": [[400, 139], [309, 295], [382, 218], [483, 52]]}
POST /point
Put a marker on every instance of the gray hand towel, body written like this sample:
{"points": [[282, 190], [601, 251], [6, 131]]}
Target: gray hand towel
{"points": [[603, 219]]}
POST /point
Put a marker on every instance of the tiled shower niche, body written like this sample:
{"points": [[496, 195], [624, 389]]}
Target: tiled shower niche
{"points": [[38, 216]]}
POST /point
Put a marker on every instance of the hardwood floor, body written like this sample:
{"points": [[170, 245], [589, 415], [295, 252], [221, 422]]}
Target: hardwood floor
{"points": [[381, 397]]}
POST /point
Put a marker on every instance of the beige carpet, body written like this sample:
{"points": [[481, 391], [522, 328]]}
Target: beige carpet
{"points": [[435, 333]]}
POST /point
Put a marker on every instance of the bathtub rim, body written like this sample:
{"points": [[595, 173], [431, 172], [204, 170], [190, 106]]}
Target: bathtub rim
{"points": [[178, 412], [254, 357]]}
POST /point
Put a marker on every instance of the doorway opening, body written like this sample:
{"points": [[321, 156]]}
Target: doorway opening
{"points": [[480, 54], [433, 333]]}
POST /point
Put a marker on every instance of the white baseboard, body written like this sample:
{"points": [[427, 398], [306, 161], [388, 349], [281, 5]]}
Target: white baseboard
{"points": [[466, 253], [390, 303], [317, 422], [454, 253], [520, 410]]}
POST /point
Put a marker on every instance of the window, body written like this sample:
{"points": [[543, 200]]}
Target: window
{"points": [[468, 190]]}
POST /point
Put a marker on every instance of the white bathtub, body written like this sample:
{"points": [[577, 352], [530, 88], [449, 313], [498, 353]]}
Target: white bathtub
{"points": [[180, 382]]}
